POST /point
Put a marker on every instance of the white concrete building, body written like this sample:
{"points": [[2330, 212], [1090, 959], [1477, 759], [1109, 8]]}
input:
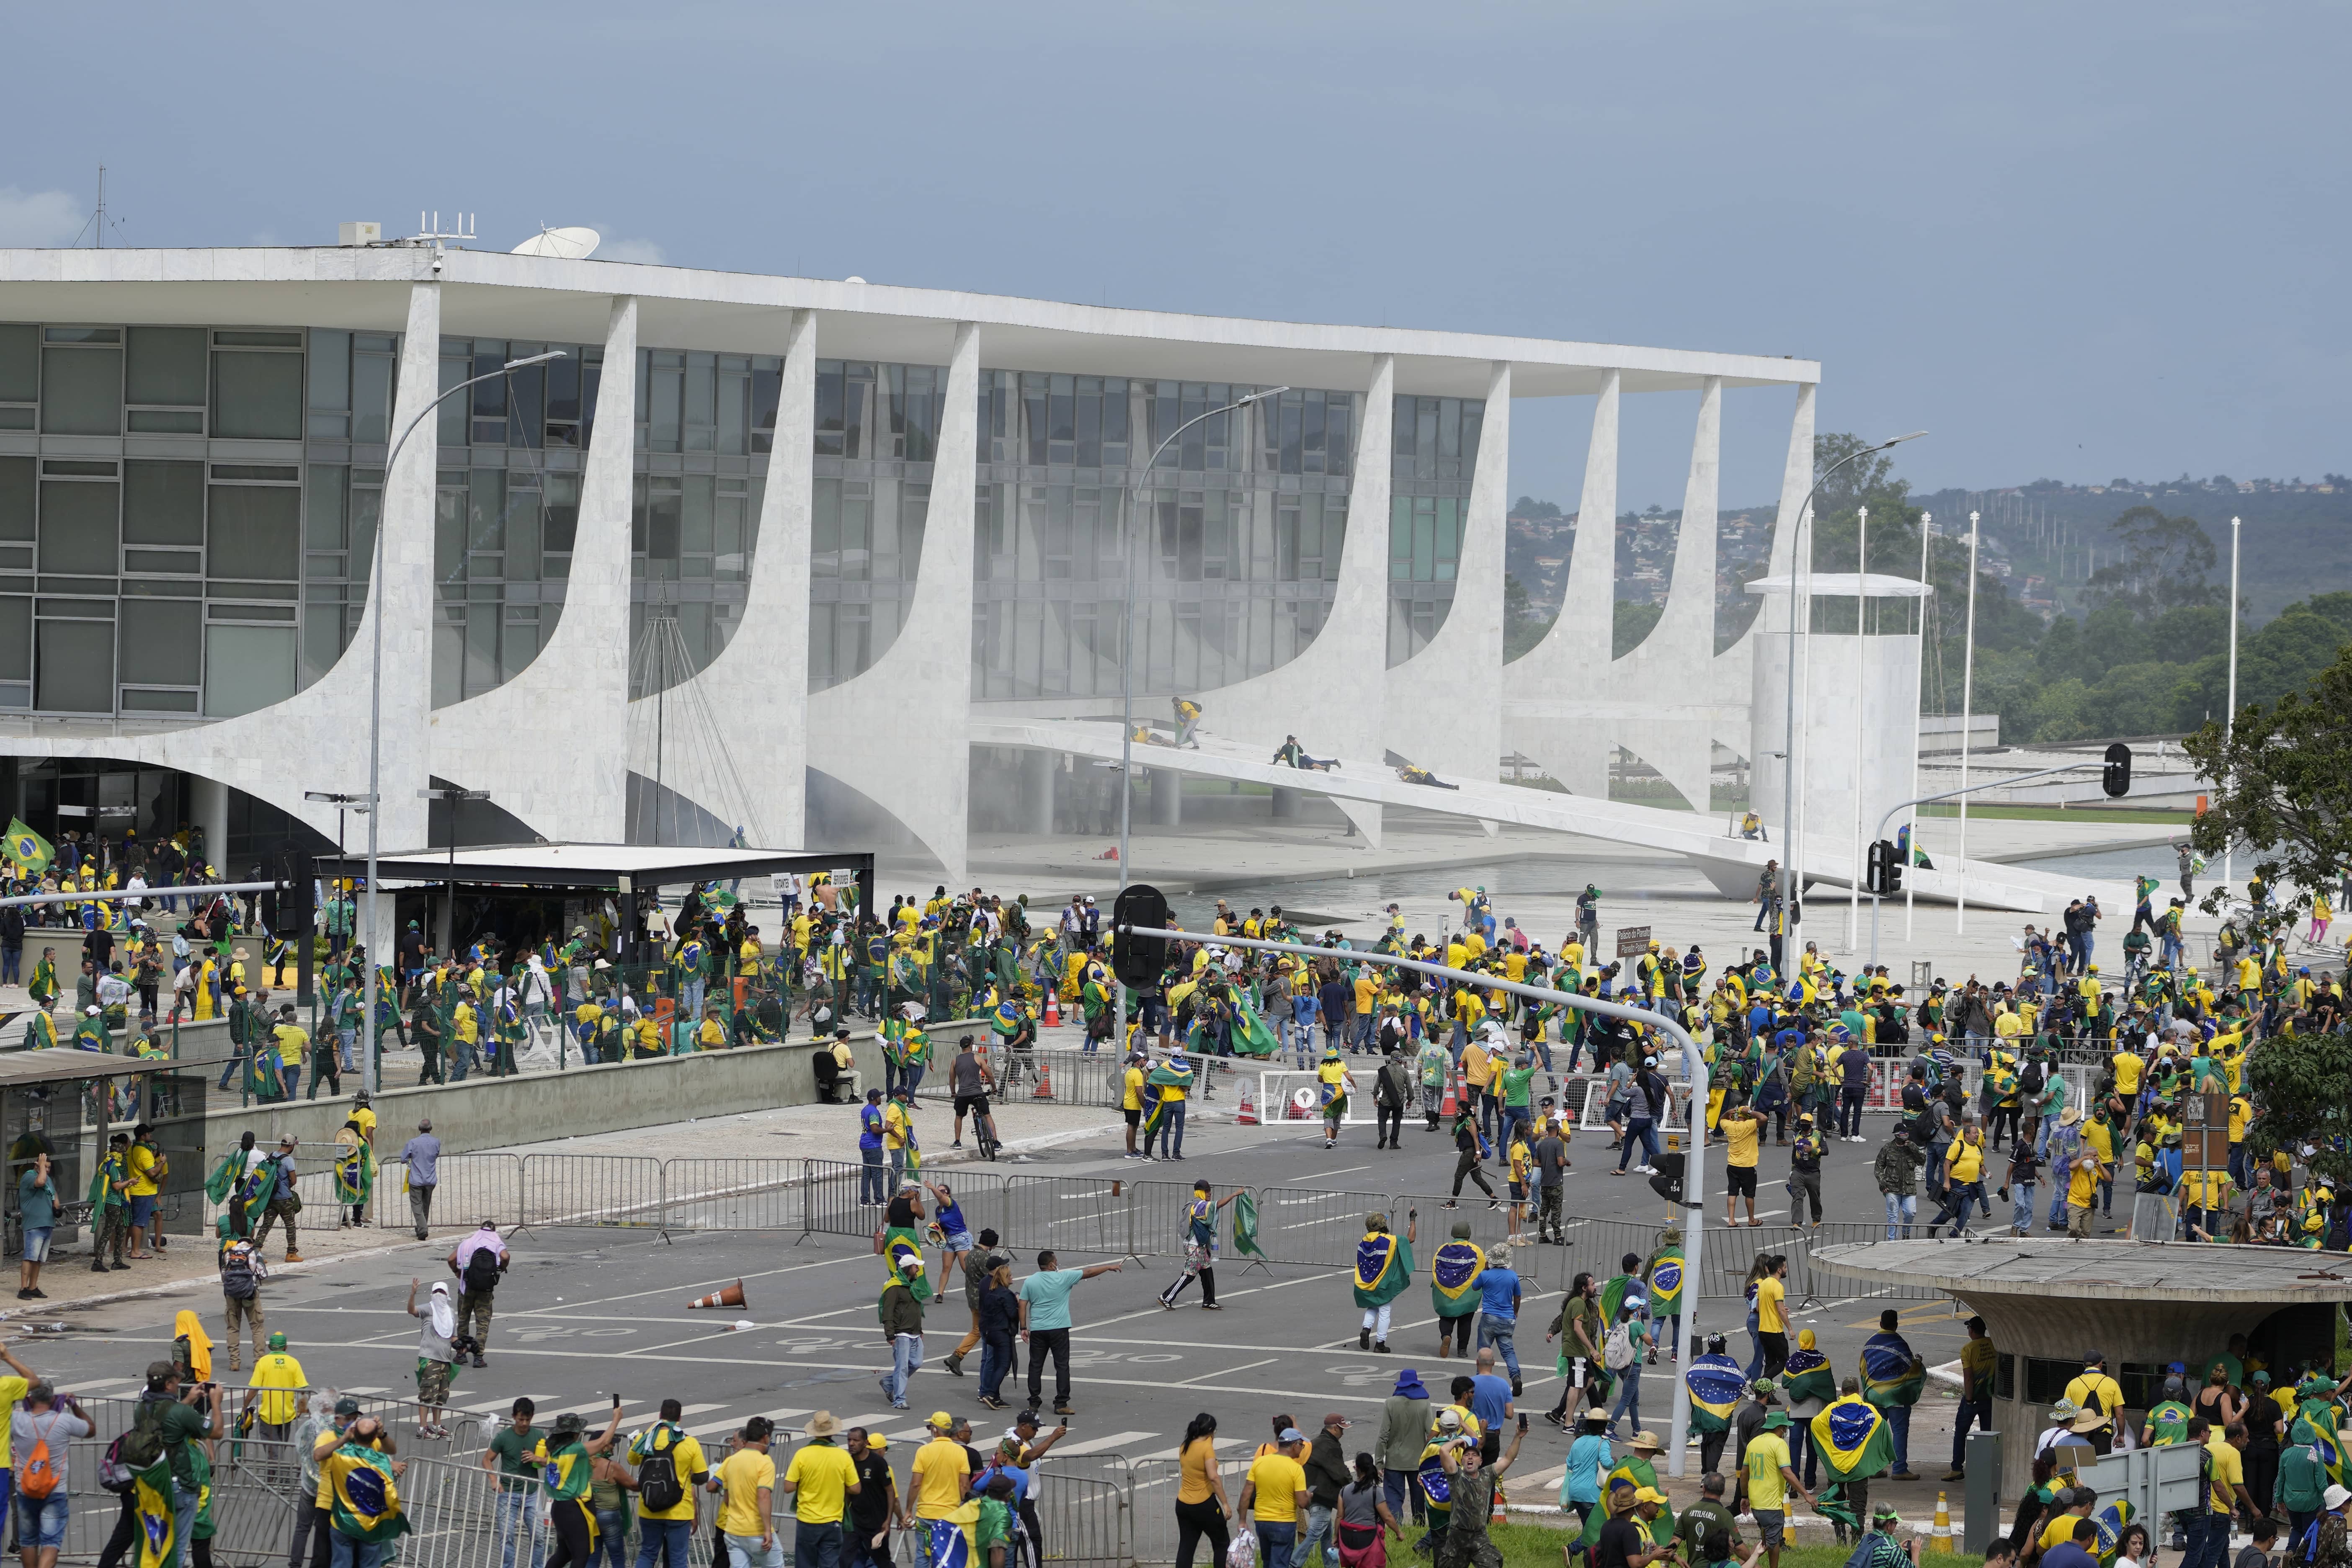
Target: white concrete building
{"points": [[193, 449]]}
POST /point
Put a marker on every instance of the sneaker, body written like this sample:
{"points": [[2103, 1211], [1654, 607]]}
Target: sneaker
{"points": [[957, 1145], [37, 1294], [23, 1295], [992, 1401]]}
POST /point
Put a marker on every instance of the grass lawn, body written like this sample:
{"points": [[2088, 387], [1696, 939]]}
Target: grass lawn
{"points": [[1538, 1546], [2051, 813]]}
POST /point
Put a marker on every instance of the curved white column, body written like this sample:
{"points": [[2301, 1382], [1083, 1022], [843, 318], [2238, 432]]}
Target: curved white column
{"points": [[318, 739], [1663, 686], [546, 744], [759, 683], [1443, 708], [1555, 696], [899, 732], [1734, 667]]}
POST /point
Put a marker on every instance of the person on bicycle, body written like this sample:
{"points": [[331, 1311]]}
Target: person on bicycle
{"points": [[972, 1081]]}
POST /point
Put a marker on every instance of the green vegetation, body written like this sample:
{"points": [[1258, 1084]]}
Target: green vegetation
{"points": [[2053, 814], [1538, 1545], [2285, 786]]}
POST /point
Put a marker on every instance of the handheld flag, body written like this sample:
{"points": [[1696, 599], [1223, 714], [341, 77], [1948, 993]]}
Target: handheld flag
{"points": [[1245, 1225], [2111, 1520], [30, 851], [1251, 1037]]}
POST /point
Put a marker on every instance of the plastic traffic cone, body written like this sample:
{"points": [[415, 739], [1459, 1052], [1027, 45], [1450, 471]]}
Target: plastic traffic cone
{"points": [[1451, 1107], [732, 1296], [1939, 1539], [1247, 1115], [1044, 1081], [1053, 1011]]}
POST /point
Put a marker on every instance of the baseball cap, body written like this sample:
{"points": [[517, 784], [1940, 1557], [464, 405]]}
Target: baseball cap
{"points": [[1336, 1419], [1649, 1494], [1290, 1435], [941, 1419], [347, 1405]]}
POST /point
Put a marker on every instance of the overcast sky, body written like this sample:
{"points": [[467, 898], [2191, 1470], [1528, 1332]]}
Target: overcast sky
{"points": [[2077, 240]]}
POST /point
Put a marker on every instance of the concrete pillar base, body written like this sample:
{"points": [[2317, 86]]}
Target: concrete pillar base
{"points": [[1285, 804], [1167, 798], [1038, 770]]}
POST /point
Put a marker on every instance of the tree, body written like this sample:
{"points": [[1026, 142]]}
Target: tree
{"points": [[1529, 507], [2163, 568], [1864, 480], [1629, 624], [2283, 783], [2296, 1084]]}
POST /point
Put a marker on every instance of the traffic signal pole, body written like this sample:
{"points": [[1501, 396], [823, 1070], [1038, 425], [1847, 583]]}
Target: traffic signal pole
{"points": [[1971, 789], [1694, 1067]]}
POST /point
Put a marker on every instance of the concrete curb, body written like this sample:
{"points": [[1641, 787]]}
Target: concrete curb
{"points": [[194, 1281]]}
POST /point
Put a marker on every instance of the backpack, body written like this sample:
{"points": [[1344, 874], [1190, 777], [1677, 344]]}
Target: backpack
{"points": [[657, 1483], [37, 1473], [138, 1449], [1617, 1350], [237, 1281], [482, 1271], [2031, 1081]]}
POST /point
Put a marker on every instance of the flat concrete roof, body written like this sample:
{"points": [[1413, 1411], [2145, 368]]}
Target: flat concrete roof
{"points": [[589, 864], [2098, 1270], [65, 1064]]}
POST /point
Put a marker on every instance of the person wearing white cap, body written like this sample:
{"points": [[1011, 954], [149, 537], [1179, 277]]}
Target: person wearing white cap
{"points": [[2326, 1544]]}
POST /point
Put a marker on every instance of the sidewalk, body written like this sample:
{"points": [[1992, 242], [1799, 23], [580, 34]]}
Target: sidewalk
{"points": [[188, 1266]]}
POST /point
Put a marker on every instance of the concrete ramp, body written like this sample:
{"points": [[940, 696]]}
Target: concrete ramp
{"points": [[1360, 787]]}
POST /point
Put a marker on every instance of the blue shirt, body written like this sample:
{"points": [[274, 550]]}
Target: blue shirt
{"points": [[1489, 1395], [1587, 1457], [869, 1122], [1048, 1295], [1500, 1288]]}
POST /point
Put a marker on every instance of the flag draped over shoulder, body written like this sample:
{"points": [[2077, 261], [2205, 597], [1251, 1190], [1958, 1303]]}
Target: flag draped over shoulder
{"points": [[1453, 1275], [2111, 1520], [1808, 1377], [366, 1497], [354, 1168], [1853, 1439], [1383, 1269], [1246, 1225], [951, 1538], [902, 1250], [1174, 1073], [1666, 1282], [1716, 1384], [1890, 1374], [1612, 1297]]}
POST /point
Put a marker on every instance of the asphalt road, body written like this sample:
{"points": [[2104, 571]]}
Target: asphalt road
{"points": [[588, 1312]]}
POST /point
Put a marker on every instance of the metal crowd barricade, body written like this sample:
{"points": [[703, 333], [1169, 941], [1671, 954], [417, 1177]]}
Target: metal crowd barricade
{"points": [[1157, 1219], [470, 1188], [701, 1192], [1084, 1518], [460, 1517], [595, 1189], [1315, 1226], [1080, 1213]]}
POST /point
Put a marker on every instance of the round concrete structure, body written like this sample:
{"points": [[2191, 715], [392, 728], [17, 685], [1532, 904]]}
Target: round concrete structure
{"points": [[2049, 1303]]}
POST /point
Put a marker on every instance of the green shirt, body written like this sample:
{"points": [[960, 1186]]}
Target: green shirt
{"points": [[512, 1451], [1515, 1085]]}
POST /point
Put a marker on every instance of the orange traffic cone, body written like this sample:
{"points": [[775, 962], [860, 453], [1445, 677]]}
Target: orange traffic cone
{"points": [[1044, 1081], [731, 1297], [1450, 1108], [1053, 1012], [1247, 1115]]}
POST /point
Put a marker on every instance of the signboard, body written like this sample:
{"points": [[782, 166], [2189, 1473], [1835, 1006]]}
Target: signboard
{"points": [[1632, 941]]}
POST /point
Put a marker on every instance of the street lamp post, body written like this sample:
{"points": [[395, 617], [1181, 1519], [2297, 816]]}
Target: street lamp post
{"points": [[1800, 557], [2230, 713], [1967, 716], [375, 686], [1127, 642]]}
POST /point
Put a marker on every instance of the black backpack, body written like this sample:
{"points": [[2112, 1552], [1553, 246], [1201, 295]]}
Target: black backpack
{"points": [[2030, 1080], [657, 1483], [138, 1449], [481, 1274]]}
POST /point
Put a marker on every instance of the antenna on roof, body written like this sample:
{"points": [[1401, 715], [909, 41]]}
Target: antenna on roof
{"points": [[98, 220], [432, 233], [565, 244]]}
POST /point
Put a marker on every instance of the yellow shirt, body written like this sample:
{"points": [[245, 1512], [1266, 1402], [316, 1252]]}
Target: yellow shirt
{"points": [[1132, 1097], [2127, 1066], [2229, 1470], [1367, 993], [143, 1171], [2061, 1528], [366, 1119], [2241, 1113], [685, 1452], [1279, 1479], [1198, 1456], [1743, 1134], [1769, 1320], [940, 1469], [1476, 1068], [894, 1126], [468, 1030], [12, 1389], [293, 1044], [743, 1472], [824, 1475], [1765, 1454], [280, 1375], [1966, 1159], [2082, 1183]]}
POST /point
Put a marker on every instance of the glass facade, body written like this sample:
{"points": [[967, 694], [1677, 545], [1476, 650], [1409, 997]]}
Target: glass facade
{"points": [[1245, 513], [187, 514], [1435, 456]]}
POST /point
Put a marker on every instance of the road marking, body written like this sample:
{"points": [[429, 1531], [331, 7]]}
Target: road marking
{"points": [[1227, 1371], [1071, 1450]]}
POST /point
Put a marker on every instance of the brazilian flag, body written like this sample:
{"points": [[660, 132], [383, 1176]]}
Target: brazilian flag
{"points": [[31, 853], [1854, 1440], [1246, 1225], [2111, 1520], [366, 1496], [151, 1500], [1383, 1269], [1174, 1073], [1666, 1282], [2168, 1422], [1634, 1472], [1808, 1377], [1612, 1297], [1452, 1275], [1891, 1375], [1251, 1037], [1715, 1383], [1436, 1487], [902, 1249], [1005, 1018]]}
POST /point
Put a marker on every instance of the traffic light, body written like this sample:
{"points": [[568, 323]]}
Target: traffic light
{"points": [[1138, 960], [2115, 779], [1885, 872], [1668, 1182]]}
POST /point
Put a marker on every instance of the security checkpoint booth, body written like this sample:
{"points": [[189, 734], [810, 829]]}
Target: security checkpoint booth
{"points": [[2048, 1305], [67, 1103]]}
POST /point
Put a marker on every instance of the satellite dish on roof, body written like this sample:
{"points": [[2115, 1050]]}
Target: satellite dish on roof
{"points": [[565, 244]]}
